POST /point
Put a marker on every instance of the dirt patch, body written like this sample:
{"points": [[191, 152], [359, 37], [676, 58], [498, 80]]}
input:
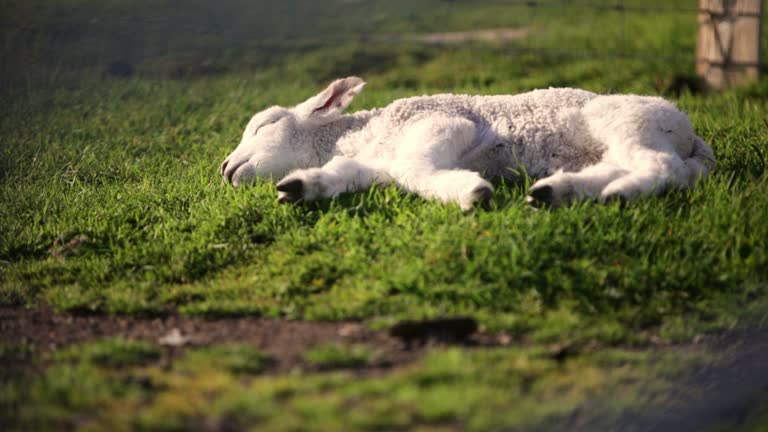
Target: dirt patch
{"points": [[496, 35], [284, 340], [730, 390], [487, 35], [63, 248]]}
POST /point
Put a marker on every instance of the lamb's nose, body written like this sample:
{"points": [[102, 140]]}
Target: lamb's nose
{"points": [[228, 169]]}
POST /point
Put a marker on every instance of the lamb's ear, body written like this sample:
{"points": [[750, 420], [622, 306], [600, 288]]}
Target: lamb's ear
{"points": [[331, 102]]}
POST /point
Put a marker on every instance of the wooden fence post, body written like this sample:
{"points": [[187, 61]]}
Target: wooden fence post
{"points": [[728, 49]]}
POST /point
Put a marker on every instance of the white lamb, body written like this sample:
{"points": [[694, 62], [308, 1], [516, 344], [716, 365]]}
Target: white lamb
{"points": [[580, 145]]}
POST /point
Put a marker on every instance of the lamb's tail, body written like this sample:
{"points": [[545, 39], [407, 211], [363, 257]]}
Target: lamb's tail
{"points": [[702, 161], [704, 153]]}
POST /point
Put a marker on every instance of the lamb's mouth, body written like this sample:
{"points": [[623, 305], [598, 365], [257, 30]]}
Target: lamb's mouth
{"points": [[228, 169]]}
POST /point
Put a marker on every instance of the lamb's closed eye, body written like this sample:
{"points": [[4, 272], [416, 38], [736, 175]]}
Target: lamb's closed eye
{"points": [[271, 122]]}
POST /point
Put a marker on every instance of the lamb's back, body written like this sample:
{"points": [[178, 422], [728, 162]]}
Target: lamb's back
{"points": [[534, 119], [536, 106]]}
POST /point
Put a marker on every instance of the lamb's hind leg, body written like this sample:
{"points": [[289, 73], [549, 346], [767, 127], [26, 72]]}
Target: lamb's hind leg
{"points": [[339, 175], [657, 170], [654, 171], [658, 158], [650, 145], [651, 139]]}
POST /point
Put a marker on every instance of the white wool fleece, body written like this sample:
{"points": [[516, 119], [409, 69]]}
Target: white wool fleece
{"points": [[579, 144]]}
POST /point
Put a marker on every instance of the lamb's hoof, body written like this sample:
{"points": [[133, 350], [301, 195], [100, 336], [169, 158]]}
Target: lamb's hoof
{"points": [[478, 197], [539, 196], [616, 198], [290, 190], [481, 197]]}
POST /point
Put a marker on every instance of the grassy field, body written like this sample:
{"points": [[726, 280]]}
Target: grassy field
{"points": [[116, 116]]}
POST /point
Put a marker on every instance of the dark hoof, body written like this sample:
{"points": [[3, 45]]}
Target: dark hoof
{"points": [[481, 197], [290, 191], [617, 198], [541, 195]]}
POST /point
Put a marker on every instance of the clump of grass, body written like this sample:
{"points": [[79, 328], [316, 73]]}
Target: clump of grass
{"points": [[467, 389], [15, 352], [237, 359], [111, 352], [336, 356]]}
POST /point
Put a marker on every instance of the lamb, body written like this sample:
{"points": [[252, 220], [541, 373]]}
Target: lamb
{"points": [[579, 145]]}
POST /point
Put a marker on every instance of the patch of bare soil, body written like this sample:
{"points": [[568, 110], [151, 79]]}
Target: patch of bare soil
{"points": [[496, 35], [729, 391], [486, 35], [284, 340]]}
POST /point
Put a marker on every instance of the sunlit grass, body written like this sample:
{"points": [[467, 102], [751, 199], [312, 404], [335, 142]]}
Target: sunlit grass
{"points": [[111, 203]]}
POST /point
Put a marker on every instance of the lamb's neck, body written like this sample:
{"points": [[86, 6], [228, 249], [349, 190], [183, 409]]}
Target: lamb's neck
{"points": [[330, 138]]}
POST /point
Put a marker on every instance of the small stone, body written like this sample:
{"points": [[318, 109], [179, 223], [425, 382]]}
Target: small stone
{"points": [[173, 338], [350, 330], [504, 339]]}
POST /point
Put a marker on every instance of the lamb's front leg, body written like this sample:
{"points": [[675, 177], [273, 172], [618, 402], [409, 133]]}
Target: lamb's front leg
{"points": [[339, 175], [564, 187], [466, 188], [428, 161]]}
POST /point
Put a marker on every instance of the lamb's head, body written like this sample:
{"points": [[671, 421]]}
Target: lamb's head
{"points": [[278, 140]]}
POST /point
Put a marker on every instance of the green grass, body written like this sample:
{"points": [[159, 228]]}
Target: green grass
{"points": [[452, 389], [115, 353], [232, 358], [158, 228], [338, 356], [110, 203]]}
